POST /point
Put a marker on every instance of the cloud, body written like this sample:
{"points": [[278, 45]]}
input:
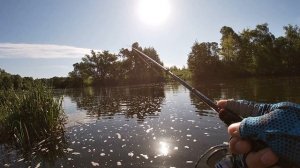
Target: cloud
{"points": [[50, 51]]}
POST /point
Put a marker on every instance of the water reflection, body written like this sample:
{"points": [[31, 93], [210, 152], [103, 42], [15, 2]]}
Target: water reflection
{"points": [[135, 102]]}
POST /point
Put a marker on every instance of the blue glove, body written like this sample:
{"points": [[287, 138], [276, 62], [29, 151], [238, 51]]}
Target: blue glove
{"points": [[278, 125]]}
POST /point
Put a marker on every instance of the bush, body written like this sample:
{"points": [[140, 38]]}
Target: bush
{"points": [[27, 117]]}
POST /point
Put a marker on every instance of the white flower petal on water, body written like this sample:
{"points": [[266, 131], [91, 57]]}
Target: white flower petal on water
{"points": [[38, 165], [130, 154], [145, 156], [75, 153], [69, 149], [119, 135], [119, 163], [95, 163]]}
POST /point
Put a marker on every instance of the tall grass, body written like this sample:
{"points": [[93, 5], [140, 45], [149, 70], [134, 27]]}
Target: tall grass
{"points": [[27, 117]]}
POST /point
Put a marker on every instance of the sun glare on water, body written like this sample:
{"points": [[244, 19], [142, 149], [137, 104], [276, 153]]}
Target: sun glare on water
{"points": [[153, 12]]}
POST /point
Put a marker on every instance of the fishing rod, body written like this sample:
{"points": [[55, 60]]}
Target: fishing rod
{"points": [[227, 117]]}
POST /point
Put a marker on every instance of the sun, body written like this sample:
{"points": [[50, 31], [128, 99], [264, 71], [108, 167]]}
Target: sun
{"points": [[153, 12]]}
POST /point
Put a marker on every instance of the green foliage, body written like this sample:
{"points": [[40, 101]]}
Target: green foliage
{"points": [[253, 52], [204, 61], [183, 73], [137, 70], [104, 68], [97, 68], [28, 111]]}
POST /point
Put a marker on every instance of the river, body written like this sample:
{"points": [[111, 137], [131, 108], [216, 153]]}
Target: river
{"points": [[161, 125]]}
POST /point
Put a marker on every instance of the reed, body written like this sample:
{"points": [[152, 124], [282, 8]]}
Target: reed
{"points": [[27, 117]]}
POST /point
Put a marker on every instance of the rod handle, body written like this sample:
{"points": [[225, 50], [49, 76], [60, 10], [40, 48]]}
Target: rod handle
{"points": [[229, 117]]}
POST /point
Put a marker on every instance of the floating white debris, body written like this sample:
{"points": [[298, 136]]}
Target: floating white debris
{"points": [[186, 147], [111, 151], [38, 165], [102, 154], [95, 163], [188, 135], [69, 149], [145, 156], [148, 130], [189, 161], [119, 163], [130, 154], [175, 148], [75, 153], [70, 159], [119, 135], [20, 160], [194, 140]]}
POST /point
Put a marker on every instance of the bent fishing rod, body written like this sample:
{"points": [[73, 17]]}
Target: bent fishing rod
{"points": [[229, 117]]}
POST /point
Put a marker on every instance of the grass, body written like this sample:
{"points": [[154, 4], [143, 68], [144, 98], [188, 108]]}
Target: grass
{"points": [[27, 117]]}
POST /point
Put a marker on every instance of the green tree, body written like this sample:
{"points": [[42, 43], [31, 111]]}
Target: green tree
{"points": [[230, 44], [257, 47], [139, 70], [97, 68], [203, 60], [292, 49]]}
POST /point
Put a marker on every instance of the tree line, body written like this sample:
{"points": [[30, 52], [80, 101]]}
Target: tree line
{"points": [[252, 52]]}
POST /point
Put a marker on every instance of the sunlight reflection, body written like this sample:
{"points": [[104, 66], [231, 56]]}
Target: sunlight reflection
{"points": [[164, 148]]}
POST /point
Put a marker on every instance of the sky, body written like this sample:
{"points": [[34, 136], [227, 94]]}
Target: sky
{"points": [[43, 39]]}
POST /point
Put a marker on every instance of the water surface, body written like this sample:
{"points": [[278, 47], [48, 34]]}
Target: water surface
{"points": [[144, 126]]}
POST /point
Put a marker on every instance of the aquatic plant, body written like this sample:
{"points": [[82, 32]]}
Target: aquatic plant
{"points": [[29, 116]]}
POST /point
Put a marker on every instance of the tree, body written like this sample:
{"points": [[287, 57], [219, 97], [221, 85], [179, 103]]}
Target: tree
{"points": [[257, 46], [98, 68], [292, 49], [230, 44], [139, 70], [203, 61]]}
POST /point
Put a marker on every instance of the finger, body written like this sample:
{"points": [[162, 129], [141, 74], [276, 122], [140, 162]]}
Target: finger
{"points": [[222, 103], [239, 146], [234, 129], [261, 159]]}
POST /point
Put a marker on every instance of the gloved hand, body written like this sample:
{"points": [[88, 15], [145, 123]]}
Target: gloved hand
{"points": [[278, 125]]}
